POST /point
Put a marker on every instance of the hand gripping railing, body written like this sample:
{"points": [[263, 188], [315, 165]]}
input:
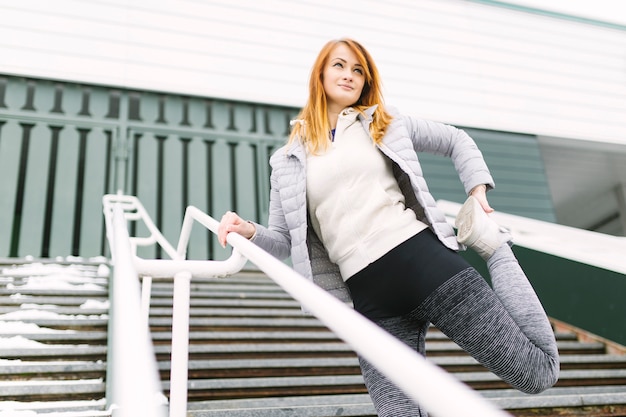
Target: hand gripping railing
{"points": [[430, 386]]}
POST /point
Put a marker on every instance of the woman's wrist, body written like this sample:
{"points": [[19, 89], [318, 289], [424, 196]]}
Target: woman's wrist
{"points": [[253, 230], [480, 187]]}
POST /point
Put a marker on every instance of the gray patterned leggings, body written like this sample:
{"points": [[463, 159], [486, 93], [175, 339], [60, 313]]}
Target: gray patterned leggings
{"points": [[504, 328]]}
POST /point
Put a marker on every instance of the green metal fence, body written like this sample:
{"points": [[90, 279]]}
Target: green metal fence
{"points": [[64, 145]]}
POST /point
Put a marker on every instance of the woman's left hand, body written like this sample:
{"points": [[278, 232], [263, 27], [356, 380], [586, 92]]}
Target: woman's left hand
{"points": [[231, 222], [480, 193]]}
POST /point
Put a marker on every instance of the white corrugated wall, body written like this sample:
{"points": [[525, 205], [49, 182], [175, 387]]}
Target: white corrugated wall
{"points": [[460, 62]]}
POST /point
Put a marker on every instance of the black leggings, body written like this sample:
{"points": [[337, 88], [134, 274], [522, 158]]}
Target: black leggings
{"points": [[403, 278]]}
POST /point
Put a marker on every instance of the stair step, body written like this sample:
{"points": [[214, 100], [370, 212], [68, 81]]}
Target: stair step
{"points": [[301, 406], [54, 300], [285, 384], [24, 370], [68, 322], [565, 347], [204, 389], [262, 335], [360, 404], [69, 294], [77, 408], [73, 336], [242, 322], [232, 368], [259, 350], [592, 361], [232, 312], [92, 389], [7, 312], [55, 352], [283, 304], [210, 293], [561, 398], [486, 380], [277, 367]]}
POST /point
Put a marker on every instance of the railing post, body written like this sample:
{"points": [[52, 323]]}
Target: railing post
{"points": [[180, 344]]}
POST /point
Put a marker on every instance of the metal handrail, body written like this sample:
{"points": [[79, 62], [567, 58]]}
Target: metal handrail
{"points": [[139, 392], [424, 382]]}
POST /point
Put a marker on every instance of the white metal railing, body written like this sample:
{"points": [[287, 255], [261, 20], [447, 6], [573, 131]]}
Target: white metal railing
{"points": [[118, 210], [427, 384], [133, 384]]}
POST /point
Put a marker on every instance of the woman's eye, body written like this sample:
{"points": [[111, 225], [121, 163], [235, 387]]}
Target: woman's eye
{"points": [[338, 64], [358, 71]]}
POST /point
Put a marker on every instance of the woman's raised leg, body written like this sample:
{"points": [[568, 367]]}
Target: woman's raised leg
{"points": [[516, 345]]}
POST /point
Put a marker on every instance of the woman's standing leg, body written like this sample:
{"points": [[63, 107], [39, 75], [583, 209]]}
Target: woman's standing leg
{"points": [[388, 399]]}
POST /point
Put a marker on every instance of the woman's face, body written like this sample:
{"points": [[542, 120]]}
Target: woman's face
{"points": [[343, 79]]}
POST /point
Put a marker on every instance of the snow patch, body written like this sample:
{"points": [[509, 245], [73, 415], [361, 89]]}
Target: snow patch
{"points": [[95, 304], [19, 327], [103, 270], [47, 315], [19, 342], [36, 306]]}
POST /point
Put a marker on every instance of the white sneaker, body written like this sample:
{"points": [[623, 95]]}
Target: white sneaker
{"points": [[477, 230]]}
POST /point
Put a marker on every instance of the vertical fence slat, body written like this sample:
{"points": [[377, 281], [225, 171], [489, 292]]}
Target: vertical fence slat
{"points": [[10, 150], [144, 171], [91, 226], [176, 110], [222, 185], [246, 181], [198, 169], [35, 190], [262, 179], [172, 194], [65, 193]]}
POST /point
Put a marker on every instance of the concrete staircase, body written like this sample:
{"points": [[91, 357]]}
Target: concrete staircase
{"points": [[53, 338], [252, 353]]}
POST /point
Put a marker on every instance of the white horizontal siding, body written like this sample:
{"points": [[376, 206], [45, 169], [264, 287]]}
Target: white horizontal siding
{"points": [[456, 61]]}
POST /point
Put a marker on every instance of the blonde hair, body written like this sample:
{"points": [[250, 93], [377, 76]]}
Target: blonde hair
{"points": [[313, 127]]}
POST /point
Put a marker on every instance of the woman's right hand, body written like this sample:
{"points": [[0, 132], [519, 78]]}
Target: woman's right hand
{"points": [[480, 193], [231, 222]]}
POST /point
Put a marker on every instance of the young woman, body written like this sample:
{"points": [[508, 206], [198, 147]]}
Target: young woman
{"points": [[351, 207]]}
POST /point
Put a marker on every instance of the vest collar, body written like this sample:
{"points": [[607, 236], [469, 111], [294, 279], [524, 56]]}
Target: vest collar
{"points": [[297, 149]]}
